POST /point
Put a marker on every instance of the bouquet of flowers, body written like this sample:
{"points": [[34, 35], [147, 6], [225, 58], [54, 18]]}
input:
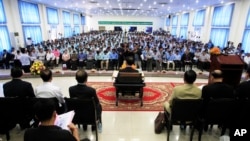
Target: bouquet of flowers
{"points": [[37, 67], [215, 51]]}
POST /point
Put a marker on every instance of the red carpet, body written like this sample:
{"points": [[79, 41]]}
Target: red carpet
{"points": [[154, 95]]}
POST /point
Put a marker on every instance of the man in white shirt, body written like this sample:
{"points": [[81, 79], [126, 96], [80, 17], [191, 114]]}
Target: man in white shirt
{"points": [[25, 60], [47, 89], [1, 90], [50, 58], [247, 59]]}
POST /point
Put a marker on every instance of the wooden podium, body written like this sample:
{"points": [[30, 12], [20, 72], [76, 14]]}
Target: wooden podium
{"points": [[231, 65]]}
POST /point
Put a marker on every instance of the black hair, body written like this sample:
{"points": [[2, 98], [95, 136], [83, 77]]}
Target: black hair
{"points": [[190, 76], [44, 109], [46, 75], [130, 60], [217, 74], [16, 72], [81, 76]]}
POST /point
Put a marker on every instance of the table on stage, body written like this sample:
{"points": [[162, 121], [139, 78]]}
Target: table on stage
{"points": [[115, 73]]}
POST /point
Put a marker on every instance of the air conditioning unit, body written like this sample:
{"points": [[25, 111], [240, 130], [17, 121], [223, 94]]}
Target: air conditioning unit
{"points": [[14, 39]]}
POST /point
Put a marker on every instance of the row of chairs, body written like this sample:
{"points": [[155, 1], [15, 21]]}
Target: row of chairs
{"points": [[226, 112], [20, 111]]}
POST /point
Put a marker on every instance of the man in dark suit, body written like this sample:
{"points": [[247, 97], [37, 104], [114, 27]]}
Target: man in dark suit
{"points": [[17, 87], [82, 91], [6, 58], [217, 89]]}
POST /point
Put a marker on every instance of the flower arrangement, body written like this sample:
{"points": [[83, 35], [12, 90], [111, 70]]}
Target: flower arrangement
{"points": [[37, 67], [215, 51]]}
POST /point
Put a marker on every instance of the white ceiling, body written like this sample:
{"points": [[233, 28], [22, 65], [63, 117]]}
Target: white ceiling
{"points": [[132, 7]]}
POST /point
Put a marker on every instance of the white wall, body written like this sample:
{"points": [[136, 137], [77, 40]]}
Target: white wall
{"points": [[92, 22]]}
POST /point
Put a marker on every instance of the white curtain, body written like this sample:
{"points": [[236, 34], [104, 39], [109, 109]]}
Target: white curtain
{"points": [[175, 20], [219, 36], [2, 13], [221, 22], [33, 32], [77, 30], [76, 19], [67, 31], [246, 36], [52, 16], [222, 15], [4, 39], [83, 20], [183, 32], [199, 18], [173, 31], [29, 12], [66, 18]]}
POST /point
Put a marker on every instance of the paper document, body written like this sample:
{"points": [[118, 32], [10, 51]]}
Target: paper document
{"points": [[64, 120]]}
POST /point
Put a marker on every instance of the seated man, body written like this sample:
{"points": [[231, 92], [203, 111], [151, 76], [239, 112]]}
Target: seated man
{"points": [[45, 111], [187, 91], [82, 91], [17, 87], [48, 89], [217, 88], [129, 63]]}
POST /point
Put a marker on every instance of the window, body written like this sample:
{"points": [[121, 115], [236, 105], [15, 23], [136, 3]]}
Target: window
{"points": [[52, 16], [184, 25], [4, 38], [67, 31], [174, 25], [246, 36], [4, 34], [77, 30], [66, 18], [221, 22], [2, 13], [199, 18], [83, 20], [33, 32], [30, 18], [76, 19], [168, 19], [29, 12]]}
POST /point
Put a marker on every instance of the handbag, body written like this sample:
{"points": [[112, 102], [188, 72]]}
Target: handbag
{"points": [[159, 123]]}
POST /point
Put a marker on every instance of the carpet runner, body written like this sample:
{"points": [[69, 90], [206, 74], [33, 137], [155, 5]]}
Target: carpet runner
{"points": [[154, 95]]}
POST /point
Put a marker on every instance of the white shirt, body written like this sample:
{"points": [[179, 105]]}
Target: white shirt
{"points": [[49, 90], [247, 60], [25, 59], [1, 90], [50, 56]]}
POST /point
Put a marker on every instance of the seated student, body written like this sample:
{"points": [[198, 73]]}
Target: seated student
{"points": [[45, 112], [82, 91], [187, 91], [129, 64]]}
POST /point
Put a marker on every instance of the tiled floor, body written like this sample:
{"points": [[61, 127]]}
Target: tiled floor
{"points": [[123, 126]]}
